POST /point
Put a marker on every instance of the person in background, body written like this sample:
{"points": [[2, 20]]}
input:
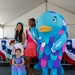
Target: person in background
{"points": [[18, 67], [30, 51]]}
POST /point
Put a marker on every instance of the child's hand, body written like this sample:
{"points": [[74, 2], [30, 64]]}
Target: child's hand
{"points": [[16, 65], [12, 44], [20, 64]]}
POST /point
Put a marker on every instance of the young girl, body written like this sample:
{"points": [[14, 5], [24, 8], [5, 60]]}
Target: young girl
{"points": [[18, 67], [30, 51], [19, 38]]}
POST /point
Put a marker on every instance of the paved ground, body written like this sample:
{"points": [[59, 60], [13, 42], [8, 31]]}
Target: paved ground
{"points": [[6, 70]]}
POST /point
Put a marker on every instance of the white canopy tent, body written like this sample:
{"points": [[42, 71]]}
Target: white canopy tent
{"points": [[13, 11]]}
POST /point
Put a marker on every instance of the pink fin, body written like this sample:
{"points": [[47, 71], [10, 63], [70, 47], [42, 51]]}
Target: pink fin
{"points": [[41, 49], [61, 32], [60, 57], [63, 48], [43, 63]]}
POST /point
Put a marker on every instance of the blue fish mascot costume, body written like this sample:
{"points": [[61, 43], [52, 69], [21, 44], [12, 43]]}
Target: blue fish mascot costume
{"points": [[51, 36]]}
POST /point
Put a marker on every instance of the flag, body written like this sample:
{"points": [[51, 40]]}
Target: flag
{"points": [[5, 48], [69, 53]]}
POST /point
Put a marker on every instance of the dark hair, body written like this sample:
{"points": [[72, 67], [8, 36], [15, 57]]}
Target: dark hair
{"points": [[18, 49], [18, 36], [32, 19]]}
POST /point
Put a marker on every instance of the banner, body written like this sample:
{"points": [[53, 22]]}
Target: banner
{"points": [[5, 48], [69, 53]]}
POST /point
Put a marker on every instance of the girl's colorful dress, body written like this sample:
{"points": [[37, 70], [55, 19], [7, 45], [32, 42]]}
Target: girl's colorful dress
{"points": [[30, 50], [18, 70]]}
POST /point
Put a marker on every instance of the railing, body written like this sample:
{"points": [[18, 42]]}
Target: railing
{"points": [[64, 62]]}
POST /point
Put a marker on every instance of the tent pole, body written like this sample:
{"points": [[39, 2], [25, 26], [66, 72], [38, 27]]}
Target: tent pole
{"points": [[46, 5]]}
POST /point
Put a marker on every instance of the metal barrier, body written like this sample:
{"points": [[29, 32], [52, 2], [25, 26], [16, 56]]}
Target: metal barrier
{"points": [[64, 62]]}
